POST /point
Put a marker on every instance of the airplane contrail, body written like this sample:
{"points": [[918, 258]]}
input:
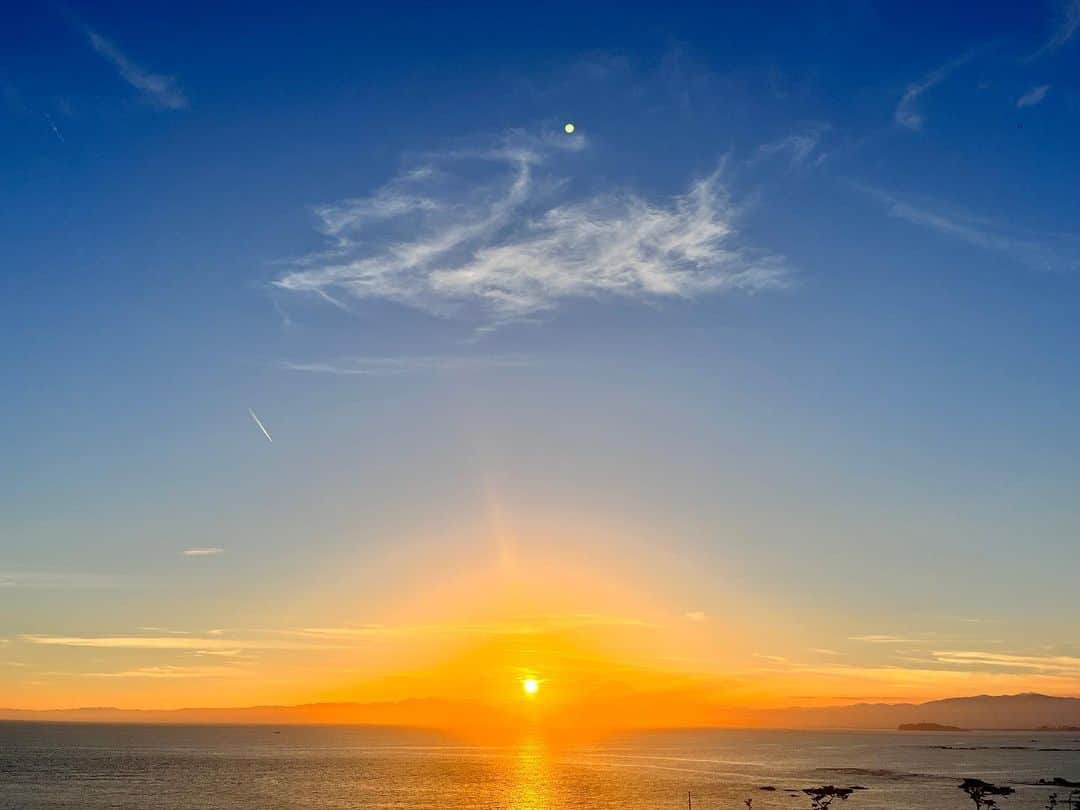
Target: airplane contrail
{"points": [[266, 433]]}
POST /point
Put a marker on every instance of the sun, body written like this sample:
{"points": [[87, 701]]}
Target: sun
{"points": [[531, 686]]}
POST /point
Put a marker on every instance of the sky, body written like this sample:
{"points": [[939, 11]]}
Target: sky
{"points": [[336, 369]]}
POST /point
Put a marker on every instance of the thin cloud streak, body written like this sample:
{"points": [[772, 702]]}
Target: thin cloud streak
{"points": [[166, 643], [883, 638], [494, 235], [166, 671], [56, 580], [202, 552], [1043, 252], [1033, 96], [515, 626], [52, 125], [335, 638], [1049, 664], [161, 91], [389, 366], [797, 147], [907, 113], [1066, 27]]}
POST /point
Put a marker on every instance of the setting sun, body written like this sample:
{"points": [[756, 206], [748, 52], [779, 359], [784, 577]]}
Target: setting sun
{"points": [[531, 686]]}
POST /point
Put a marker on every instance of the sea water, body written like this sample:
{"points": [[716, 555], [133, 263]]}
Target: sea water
{"points": [[260, 767]]}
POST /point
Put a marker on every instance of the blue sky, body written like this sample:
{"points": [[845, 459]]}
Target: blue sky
{"points": [[798, 295]]}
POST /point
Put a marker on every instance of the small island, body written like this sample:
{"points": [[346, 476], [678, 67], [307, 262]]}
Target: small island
{"points": [[928, 727]]}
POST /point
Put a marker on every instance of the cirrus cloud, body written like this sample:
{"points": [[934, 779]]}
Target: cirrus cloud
{"points": [[498, 234], [907, 113], [161, 91], [1033, 96]]}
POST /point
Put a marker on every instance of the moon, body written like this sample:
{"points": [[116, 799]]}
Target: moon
{"points": [[569, 128]]}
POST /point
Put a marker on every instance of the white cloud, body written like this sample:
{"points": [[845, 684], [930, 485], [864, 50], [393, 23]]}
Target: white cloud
{"points": [[1043, 251], [1048, 664], [529, 624], [166, 643], [1033, 96], [884, 638], [161, 91], [907, 113], [776, 659], [383, 366], [797, 147], [1067, 24], [496, 234], [202, 552], [165, 671], [55, 580]]}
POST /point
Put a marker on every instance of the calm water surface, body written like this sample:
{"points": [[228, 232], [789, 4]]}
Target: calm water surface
{"points": [[106, 766]]}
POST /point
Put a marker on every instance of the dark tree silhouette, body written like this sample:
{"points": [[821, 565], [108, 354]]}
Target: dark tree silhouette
{"points": [[984, 794], [822, 797]]}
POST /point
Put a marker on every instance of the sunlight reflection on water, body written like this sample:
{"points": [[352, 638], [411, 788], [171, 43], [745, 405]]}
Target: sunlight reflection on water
{"points": [[531, 777]]}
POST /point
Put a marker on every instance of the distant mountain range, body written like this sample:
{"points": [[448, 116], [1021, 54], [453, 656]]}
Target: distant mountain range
{"points": [[1024, 711]]}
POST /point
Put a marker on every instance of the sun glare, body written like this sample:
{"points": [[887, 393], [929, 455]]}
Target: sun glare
{"points": [[531, 686]]}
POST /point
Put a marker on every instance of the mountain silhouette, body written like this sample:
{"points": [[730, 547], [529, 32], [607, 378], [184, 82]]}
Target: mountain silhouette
{"points": [[1023, 711]]}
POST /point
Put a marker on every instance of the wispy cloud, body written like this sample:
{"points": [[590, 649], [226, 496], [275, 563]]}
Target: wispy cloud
{"points": [[1043, 251], [227, 643], [153, 629], [383, 366], [512, 626], [797, 147], [1047, 664], [166, 643], [695, 616], [202, 552], [497, 234], [1065, 27], [18, 578], [161, 91], [52, 125], [166, 671], [907, 113], [1033, 96], [885, 638]]}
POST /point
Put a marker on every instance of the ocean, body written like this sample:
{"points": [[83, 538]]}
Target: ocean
{"points": [[259, 767]]}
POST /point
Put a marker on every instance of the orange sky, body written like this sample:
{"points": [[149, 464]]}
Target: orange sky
{"points": [[606, 651]]}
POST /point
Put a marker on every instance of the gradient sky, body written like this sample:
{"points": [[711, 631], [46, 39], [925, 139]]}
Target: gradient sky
{"points": [[764, 380]]}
